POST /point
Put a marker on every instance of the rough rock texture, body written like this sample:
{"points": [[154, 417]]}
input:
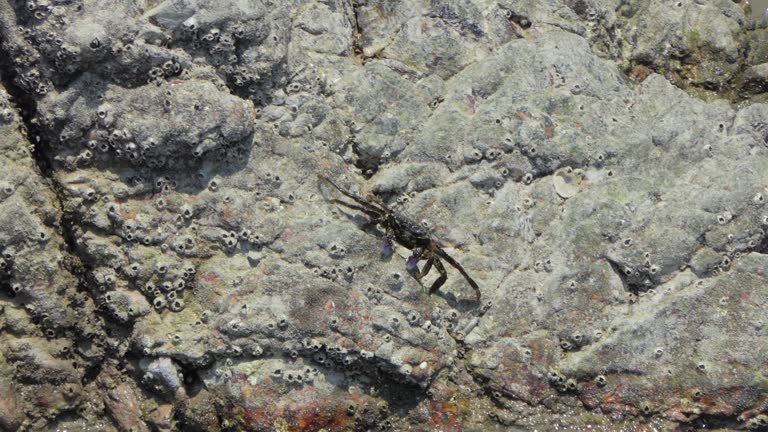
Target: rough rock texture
{"points": [[171, 259]]}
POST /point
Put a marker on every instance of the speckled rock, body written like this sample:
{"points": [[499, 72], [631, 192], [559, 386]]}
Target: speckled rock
{"points": [[123, 406], [168, 126], [49, 332], [172, 259]]}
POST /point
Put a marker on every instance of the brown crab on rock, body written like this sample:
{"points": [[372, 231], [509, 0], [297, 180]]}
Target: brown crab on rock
{"points": [[409, 234]]}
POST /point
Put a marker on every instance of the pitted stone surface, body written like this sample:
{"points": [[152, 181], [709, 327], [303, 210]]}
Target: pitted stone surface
{"points": [[171, 259]]}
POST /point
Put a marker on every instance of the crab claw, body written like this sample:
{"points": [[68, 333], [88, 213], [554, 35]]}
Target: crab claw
{"points": [[411, 263], [387, 247]]}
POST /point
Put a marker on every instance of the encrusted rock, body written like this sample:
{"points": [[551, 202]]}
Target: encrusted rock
{"points": [[169, 258]]}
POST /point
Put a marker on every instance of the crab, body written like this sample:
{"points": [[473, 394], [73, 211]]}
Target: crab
{"points": [[410, 235]]}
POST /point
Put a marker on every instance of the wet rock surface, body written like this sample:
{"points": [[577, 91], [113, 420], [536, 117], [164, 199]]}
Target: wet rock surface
{"points": [[172, 260]]}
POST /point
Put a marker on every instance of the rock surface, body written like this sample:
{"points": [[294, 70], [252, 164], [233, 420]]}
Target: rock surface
{"points": [[172, 260]]}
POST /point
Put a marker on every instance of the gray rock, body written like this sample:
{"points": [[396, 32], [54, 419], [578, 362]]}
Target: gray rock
{"points": [[163, 126], [162, 372], [40, 307], [164, 203]]}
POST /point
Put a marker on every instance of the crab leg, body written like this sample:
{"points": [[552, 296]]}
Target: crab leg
{"points": [[440, 280], [352, 206], [357, 199], [442, 254], [427, 267]]}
